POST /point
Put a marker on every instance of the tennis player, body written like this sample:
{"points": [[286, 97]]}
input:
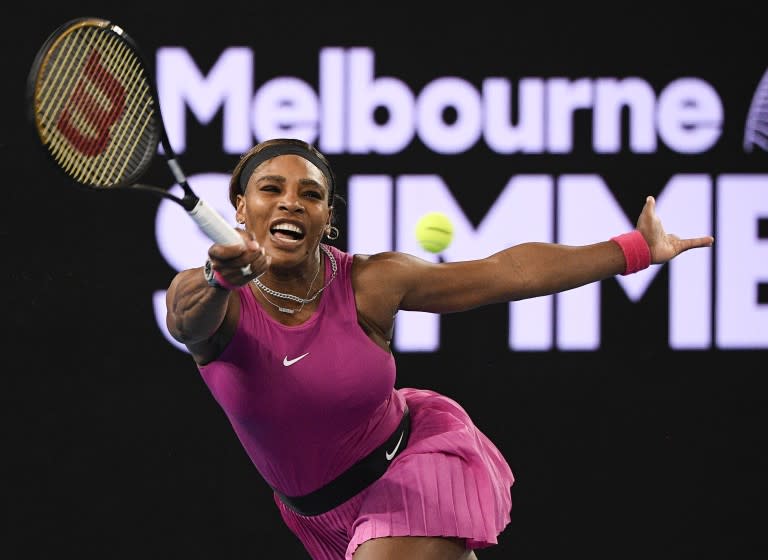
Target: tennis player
{"points": [[292, 337]]}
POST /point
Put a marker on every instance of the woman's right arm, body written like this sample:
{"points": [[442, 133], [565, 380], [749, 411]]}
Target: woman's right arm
{"points": [[195, 310], [204, 317]]}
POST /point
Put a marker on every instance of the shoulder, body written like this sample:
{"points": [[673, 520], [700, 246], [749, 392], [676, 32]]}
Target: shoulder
{"points": [[379, 282], [387, 270], [391, 260]]}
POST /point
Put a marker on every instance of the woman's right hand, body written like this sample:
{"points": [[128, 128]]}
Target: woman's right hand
{"points": [[239, 264]]}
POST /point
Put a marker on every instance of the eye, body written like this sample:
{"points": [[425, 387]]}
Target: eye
{"points": [[314, 194]]}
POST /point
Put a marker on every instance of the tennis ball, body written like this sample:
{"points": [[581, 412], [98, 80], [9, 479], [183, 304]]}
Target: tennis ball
{"points": [[434, 231]]}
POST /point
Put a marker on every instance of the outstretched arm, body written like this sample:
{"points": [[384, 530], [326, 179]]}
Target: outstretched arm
{"points": [[523, 271], [195, 310]]}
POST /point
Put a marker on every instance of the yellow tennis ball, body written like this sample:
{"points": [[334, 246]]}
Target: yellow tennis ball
{"points": [[434, 231]]}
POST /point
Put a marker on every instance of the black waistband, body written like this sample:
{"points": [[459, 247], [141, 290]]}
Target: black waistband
{"points": [[355, 479]]}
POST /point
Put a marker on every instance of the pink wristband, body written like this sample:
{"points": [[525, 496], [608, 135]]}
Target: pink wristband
{"points": [[637, 254], [223, 281]]}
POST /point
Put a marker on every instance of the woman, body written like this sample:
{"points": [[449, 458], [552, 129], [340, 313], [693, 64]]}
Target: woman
{"points": [[289, 331]]}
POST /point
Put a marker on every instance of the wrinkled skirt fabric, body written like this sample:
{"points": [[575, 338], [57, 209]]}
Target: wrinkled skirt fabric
{"points": [[449, 481]]}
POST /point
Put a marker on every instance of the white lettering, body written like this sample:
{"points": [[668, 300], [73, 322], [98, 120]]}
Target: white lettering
{"points": [[742, 261], [690, 116], [435, 99], [564, 99], [381, 114], [686, 205], [528, 135], [228, 84], [366, 95], [352, 110], [611, 97], [285, 107], [333, 94]]}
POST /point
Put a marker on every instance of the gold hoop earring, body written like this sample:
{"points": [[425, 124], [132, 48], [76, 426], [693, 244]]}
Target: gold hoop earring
{"points": [[332, 232]]}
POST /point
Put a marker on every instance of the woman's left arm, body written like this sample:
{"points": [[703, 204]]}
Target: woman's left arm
{"points": [[530, 269]]}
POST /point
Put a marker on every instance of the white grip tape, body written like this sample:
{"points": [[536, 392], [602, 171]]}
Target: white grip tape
{"points": [[213, 225]]}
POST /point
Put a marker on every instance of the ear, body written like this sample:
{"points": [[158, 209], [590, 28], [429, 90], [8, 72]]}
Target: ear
{"points": [[240, 209]]}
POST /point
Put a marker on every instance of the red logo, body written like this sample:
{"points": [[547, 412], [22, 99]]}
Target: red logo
{"points": [[97, 102]]}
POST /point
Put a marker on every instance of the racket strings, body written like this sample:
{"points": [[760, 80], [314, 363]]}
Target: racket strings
{"points": [[95, 109]]}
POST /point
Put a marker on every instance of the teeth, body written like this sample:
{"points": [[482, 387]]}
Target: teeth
{"points": [[287, 227]]}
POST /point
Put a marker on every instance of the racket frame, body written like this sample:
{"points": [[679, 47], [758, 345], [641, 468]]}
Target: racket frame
{"points": [[215, 226]]}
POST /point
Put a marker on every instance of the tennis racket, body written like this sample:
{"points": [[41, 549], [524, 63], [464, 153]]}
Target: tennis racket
{"points": [[96, 112]]}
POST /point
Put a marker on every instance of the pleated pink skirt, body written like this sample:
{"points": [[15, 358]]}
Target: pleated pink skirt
{"points": [[450, 481]]}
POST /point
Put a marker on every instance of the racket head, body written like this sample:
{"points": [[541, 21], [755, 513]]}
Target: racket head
{"points": [[93, 104]]}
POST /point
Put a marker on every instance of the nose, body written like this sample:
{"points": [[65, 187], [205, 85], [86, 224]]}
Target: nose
{"points": [[291, 201]]}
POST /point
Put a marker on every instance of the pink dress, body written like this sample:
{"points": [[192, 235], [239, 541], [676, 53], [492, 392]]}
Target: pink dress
{"points": [[309, 401]]}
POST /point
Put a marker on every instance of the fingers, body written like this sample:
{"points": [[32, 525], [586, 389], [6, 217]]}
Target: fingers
{"points": [[248, 249], [649, 208], [256, 259], [696, 242], [647, 222], [239, 264]]}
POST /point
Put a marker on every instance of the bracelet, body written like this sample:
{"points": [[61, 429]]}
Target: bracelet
{"points": [[215, 279], [223, 283], [637, 254]]}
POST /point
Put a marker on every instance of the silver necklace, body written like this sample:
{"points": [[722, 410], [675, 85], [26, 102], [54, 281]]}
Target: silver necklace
{"points": [[306, 299], [282, 309], [288, 310]]}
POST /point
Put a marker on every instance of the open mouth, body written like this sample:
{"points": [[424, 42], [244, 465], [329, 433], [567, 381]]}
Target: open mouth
{"points": [[287, 231]]}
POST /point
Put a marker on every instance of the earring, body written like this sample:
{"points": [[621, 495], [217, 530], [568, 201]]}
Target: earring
{"points": [[332, 232]]}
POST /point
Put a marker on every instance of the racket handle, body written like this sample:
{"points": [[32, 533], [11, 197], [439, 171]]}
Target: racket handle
{"points": [[213, 225]]}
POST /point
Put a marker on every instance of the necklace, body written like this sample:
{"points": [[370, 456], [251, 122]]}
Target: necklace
{"points": [[289, 310], [306, 299]]}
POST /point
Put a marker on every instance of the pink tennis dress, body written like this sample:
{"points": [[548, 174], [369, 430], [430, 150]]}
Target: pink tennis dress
{"points": [[309, 401]]}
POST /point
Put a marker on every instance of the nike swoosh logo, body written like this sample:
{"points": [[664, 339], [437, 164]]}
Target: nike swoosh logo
{"points": [[390, 454], [287, 362]]}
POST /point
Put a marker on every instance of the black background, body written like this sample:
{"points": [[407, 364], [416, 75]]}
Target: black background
{"points": [[113, 446]]}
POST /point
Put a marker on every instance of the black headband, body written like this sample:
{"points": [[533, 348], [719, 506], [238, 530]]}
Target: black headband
{"points": [[281, 149]]}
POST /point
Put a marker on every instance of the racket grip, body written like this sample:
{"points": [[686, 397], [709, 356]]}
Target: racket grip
{"points": [[214, 225]]}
